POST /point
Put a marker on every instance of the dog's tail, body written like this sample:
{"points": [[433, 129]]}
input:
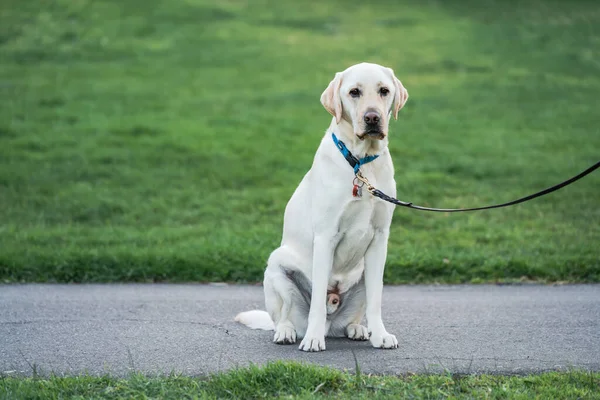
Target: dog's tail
{"points": [[256, 319]]}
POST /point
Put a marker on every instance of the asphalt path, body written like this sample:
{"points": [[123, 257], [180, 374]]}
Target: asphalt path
{"points": [[189, 329]]}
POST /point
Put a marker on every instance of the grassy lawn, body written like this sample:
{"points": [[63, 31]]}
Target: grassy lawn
{"points": [[149, 140], [300, 381]]}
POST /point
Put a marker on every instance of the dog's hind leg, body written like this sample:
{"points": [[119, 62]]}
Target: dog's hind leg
{"points": [[357, 301], [279, 307], [283, 299], [355, 330]]}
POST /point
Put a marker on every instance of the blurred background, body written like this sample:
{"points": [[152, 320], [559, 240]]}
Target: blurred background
{"points": [[155, 140]]}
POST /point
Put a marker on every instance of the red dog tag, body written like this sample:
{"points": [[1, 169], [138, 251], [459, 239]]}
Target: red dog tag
{"points": [[357, 191]]}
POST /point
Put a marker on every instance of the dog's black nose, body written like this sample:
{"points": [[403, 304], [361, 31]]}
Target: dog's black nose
{"points": [[371, 118]]}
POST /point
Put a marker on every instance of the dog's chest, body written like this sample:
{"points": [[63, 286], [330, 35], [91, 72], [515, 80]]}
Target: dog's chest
{"points": [[356, 228]]}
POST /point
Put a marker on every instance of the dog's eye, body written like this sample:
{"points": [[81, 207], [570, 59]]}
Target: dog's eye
{"points": [[355, 92], [384, 91]]}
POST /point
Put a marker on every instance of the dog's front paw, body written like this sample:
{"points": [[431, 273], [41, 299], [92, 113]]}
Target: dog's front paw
{"points": [[384, 341], [285, 334], [312, 343], [357, 332]]}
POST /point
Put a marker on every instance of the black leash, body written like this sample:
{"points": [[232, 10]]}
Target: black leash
{"points": [[378, 193]]}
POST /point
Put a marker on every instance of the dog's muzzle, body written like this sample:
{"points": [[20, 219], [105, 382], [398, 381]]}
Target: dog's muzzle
{"points": [[373, 130]]}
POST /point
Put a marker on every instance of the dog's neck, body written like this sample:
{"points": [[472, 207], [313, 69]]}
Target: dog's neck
{"points": [[360, 148]]}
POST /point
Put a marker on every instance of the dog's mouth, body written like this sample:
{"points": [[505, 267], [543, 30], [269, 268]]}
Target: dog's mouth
{"points": [[372, 134]]}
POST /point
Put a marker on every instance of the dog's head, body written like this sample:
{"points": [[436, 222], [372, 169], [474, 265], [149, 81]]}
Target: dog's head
{"points": [[365, 95]]}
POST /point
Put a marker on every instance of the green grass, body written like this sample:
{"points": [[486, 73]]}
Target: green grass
{"points": [[149, 140], [300, 381]]}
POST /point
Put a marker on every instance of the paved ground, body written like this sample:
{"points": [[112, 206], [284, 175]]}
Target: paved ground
{"points": [[190, 329]]}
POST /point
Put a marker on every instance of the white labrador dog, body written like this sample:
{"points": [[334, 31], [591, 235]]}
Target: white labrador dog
{"points": [[329, 268]]}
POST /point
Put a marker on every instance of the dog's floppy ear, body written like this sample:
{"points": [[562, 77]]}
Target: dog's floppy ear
{"points": [[331, 98], [400, 96]]}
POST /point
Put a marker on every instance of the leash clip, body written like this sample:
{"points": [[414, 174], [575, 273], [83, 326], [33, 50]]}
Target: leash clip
{"points": [[364, 181]]}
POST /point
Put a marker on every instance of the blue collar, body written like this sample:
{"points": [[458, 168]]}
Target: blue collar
{"points": [[354, 162]]}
